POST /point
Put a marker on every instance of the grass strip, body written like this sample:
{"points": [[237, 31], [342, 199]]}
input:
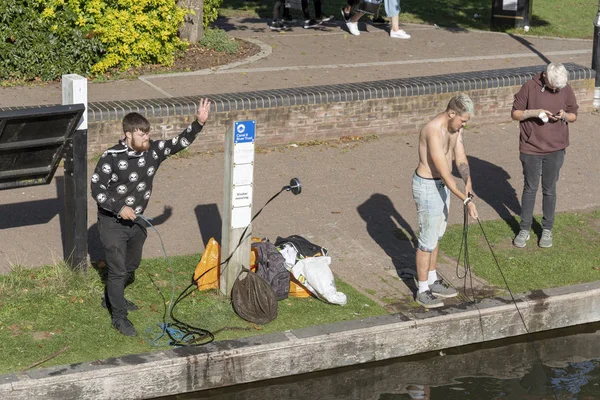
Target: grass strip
{"points": [[45, 310], [573, 258]]}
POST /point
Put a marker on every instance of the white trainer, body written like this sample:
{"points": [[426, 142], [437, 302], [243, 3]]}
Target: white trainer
{"points": [[399, 34], [353, 28]]}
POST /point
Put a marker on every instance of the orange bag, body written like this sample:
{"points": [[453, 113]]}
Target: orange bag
{"points": [[296, 288], [211, 258], [208, 270]]}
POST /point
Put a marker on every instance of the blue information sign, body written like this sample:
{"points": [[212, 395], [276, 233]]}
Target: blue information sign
{"points": [[244, 131]]}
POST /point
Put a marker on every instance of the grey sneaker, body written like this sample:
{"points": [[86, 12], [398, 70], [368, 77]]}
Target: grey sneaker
{"points": [[521, 239], [546, 239], [428, 300], [442, 289]]}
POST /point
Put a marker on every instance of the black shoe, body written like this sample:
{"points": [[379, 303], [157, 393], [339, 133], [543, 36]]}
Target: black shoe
{"points": [[125, 327], [129, 306], [311, 23], [277, 26], [288, 18], [345, 15]]}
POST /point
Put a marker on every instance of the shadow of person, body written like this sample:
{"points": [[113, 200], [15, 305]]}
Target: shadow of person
{"points": [[491, 184], [393, 234]]}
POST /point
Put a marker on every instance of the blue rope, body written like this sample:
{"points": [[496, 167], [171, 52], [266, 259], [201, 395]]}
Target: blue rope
{"points": [[164, 329]]}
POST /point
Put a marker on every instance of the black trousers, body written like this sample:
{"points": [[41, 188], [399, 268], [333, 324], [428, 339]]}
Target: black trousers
{"points": [[123, 242], [306, 10]]}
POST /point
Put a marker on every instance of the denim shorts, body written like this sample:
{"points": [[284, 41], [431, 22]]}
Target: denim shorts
{"points": [[433, 202]]}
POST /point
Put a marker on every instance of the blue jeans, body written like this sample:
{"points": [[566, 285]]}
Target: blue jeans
{"points": [[433, 202], [392, 7], [548, 167]]}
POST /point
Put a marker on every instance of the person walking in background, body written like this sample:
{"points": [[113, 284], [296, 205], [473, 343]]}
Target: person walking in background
{"points": [[319, 18], [440, 140], [392, 10], [121, 186], [278, 14], [287, 16], [351, 15], [544, 107]]}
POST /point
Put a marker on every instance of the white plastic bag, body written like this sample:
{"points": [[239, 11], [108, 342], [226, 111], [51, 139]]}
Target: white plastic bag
{"points": [[314, 273]]}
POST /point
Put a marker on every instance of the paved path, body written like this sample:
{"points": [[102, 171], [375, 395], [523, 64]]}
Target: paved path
{"points": [[330, 55]]}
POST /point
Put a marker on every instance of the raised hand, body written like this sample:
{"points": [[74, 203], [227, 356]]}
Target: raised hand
{"points": [[203, 111]]}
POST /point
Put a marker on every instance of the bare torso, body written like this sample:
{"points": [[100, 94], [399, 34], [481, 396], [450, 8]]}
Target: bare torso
{"points": [[426, 167]]}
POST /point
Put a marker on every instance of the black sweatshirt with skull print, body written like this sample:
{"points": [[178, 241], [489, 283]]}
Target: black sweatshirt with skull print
{"points": [[123, 177]]}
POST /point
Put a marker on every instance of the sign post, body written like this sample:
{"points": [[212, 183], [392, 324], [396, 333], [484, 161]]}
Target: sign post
{"points": [[237, 202], [74, 91]]}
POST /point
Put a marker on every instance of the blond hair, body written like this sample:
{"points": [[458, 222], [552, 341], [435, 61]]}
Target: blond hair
{"points": [[461, 104]]}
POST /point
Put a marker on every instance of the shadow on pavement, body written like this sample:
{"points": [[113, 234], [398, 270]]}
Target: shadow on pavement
{"points": [[393, 234], [37, 212], [246, 24], [530, 46], [491, 184], [209, 221]]}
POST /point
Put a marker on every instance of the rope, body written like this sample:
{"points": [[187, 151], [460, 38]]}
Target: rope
{"points": [[469, 274], [529, 335], [179, 332]]}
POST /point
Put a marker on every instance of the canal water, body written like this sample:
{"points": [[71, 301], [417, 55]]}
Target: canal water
{"points": [[561, 364]]}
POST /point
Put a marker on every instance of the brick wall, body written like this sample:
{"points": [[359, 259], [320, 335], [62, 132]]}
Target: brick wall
{"points": [[288, 123]]}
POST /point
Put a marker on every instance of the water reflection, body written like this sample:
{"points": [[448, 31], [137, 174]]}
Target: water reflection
{"points": [[503, 369]]}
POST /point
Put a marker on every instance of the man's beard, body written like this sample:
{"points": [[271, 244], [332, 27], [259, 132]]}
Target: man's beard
{"points": [[140, 148]]}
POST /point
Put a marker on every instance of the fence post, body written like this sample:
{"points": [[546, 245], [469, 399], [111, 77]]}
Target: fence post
{"points": [[74, 91]]}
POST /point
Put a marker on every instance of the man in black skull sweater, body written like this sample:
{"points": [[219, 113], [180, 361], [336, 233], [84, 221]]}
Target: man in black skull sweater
{"points": [[121, 186]]}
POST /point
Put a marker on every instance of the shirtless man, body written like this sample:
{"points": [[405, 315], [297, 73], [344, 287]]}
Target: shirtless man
{"points": [[439, 141]]}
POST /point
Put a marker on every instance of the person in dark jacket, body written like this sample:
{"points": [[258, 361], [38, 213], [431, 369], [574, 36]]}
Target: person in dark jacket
{"points": [[121, 186], [544, 106]]}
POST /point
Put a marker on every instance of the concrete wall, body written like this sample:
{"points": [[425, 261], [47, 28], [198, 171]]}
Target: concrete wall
{"points": [[306, 350]]}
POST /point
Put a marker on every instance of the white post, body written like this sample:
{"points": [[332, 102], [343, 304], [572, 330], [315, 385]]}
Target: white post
{"points": [[74, 91], [237, 202]]}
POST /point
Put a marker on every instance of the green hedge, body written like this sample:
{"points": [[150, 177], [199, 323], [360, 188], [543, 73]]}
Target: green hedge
{"points": [[210, 11], [33, 47], [44, 39]]}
